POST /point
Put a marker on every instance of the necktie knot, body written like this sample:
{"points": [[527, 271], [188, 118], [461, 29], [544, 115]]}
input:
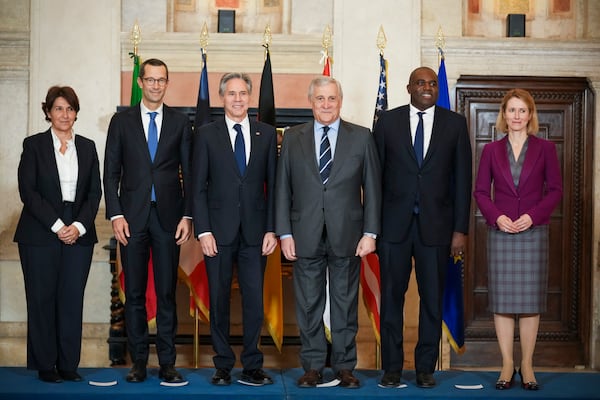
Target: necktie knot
{"points": [[325, 158], [240, 149], [152, 115]]}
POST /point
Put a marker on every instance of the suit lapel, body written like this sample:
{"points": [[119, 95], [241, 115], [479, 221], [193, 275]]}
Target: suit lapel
{"points": [[83, 168], [138, 136], [501, 156], [307, 142], [255, 137], [48, 149], [534, 151], [224, 142], [406, 137], [342, 149]]}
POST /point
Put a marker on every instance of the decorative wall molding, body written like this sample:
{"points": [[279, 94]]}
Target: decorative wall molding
{"points": [[227, 52], [516, 56]]}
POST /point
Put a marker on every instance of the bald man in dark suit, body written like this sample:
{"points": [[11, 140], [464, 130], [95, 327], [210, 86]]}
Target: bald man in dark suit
{"points": [[425, 216]]}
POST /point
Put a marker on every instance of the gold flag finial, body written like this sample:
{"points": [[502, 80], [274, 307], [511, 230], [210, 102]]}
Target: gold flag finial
{"points": [[135, 37], [440, 41], [204, 37], [381, 39], [326, 40], [267, 37]]}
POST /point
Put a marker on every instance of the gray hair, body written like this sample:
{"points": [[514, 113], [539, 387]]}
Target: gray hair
{"points": [[323, 80], [234, 75]]}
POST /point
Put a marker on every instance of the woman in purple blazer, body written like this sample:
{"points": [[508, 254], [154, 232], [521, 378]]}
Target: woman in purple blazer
{"points": [[518, 186]]}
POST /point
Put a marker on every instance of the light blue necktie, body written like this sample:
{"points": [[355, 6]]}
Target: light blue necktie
{"points": [[152, 142], [325, 156], [240, 149], [419, 140]]}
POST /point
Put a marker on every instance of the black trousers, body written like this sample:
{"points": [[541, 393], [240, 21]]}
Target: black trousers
{"points": [[251, 270], [165, 259], [395, 260], [55, 277]]}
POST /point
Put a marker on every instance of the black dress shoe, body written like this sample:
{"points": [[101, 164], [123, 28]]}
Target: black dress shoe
{"points": [[221, 377], [255, 377], [391, 379], [502, 384], [137, 373], [50, 376], [347, 380], [168, 373], [310, 379], [425, 380], [70, 376], [531, 385]]}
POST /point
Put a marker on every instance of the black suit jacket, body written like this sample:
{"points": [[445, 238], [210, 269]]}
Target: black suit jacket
{"points": [[39, 187], [349, 204], [442, 184], [224, 201], [129, 172]]}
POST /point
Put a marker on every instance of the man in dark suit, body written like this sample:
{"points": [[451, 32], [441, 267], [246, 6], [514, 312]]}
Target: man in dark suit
{"points": [[328, 198], [147, 147], [234, 161], [425, 217]]}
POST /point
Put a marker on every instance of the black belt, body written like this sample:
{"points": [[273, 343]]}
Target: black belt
{"points": [[152, 204], [67, 203]]}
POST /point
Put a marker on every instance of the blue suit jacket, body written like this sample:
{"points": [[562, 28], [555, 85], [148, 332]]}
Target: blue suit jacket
{"points": [[225, 202], [129, 173]]}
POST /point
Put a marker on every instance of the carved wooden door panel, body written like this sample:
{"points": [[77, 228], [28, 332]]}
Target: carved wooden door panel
{"points": [[565, 114]]}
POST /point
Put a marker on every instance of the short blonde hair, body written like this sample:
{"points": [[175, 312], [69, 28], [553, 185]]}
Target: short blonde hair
{"points": [[533, 125]]}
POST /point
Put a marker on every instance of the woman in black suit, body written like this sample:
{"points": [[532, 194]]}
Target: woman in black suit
{"points": [[59, 184]]}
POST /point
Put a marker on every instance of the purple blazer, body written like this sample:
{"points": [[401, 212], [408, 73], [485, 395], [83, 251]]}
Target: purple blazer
{"points": [[540, 183]]}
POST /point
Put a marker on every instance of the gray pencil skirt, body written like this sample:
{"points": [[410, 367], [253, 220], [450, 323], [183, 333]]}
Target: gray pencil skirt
{"points": [[518, 271]]}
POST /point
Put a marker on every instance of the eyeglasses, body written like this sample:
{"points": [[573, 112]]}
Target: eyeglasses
{"points": [[152, 81]]}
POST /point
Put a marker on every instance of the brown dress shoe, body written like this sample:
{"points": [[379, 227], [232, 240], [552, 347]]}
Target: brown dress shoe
{"points": [[347, 380], [311, 378]]}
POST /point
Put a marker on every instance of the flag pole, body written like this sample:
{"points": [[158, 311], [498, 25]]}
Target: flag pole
{"points": [[326, 44], [381, 44], [203, 46], [440, 44]]}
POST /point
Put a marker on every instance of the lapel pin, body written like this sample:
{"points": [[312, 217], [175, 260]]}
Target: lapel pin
{"points": [[257, 133]]}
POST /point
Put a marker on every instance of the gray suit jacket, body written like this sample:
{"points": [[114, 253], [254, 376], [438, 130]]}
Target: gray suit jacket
{"points": [[348, 205]]}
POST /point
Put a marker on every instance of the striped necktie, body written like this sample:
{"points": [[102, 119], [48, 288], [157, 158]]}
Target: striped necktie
{"points": [[325, 156]]}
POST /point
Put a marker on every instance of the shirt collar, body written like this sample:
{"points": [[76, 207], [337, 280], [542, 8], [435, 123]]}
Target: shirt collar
{"points": [[335, 125], [145, 109], [428, 111], [56, 141], [245, 123]]}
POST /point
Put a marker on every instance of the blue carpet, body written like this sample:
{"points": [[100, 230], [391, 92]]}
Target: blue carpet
{"points": [[19, 383]]}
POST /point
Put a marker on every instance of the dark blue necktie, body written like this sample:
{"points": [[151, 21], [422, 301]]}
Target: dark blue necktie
{"points": [[419, 139], [325, 156], [240, 149], [152, 142]]}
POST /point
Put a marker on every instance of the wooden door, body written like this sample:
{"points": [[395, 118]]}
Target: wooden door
{"points": [[565, 110]]}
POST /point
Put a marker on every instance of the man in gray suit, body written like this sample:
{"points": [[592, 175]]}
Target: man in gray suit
{"points": [[327, 201]]}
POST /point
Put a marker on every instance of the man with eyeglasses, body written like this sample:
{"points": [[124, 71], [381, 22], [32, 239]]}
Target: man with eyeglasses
{"points": [[425, 156], [147, 148]]}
